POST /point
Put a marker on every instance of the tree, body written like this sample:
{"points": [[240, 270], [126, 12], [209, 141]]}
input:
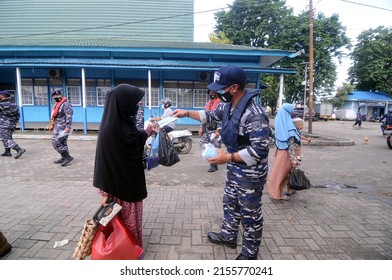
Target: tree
{"points": [[271, 24], [341, 95], [269, 95], [220, 39], [372, 57]]}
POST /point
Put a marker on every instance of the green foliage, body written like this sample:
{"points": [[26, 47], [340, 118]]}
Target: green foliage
{"points": [[372, 57], [221, 38], [271, 24], [341, 95], [269, 96]]}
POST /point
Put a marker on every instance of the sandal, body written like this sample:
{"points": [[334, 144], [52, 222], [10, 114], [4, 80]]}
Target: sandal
{"points": [[290, 193], [285, 198]]}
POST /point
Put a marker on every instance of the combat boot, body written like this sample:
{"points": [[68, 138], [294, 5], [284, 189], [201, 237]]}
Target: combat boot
{"points": [[67, 158], [213, 168], [5, 247], [7, 152], [61, 160], [19, 150]]}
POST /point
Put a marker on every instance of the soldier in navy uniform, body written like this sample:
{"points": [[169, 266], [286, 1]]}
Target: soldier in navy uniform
{"points": [[9, 117], [210, 132], [245, 133], [61, 125]]}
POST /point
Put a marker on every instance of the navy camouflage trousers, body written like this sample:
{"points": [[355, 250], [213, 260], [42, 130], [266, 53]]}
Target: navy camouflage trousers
{"points": [[242, 204], [59, 144], [6, 137]]}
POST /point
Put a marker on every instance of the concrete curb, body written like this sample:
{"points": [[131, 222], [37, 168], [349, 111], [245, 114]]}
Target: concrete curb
{"points": [[49, 137], [323, 140]]}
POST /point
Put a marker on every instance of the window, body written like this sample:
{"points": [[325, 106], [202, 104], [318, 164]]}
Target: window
{"points": [[27, 95], [154, 97], [40, 92], [91, 96], [40, 95], [101, 95], [171, 93], [185, 98], [185, 95], [200, 98], [27, 92], [74, 96]]}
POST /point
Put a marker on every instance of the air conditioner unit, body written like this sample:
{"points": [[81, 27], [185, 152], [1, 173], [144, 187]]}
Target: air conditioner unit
{"points": [[204, 76], [55, 73]]}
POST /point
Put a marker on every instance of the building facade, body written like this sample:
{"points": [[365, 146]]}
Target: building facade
{"points": [[86, 48]]}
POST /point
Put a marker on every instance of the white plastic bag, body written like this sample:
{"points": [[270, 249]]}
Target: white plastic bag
{"points": [[209, 151]]}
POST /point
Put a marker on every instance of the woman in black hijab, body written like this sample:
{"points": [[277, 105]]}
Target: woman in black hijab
{"points": [[119, 171]]}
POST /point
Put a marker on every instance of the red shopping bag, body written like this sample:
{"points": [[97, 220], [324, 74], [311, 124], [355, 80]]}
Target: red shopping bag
{"points": [[115, 242]]}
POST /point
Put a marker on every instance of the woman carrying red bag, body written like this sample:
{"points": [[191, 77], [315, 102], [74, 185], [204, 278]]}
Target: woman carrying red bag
{"points": [[119, 170]]}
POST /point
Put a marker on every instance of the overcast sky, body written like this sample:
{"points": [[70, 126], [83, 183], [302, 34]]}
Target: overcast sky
{"points": [[355, 17]]}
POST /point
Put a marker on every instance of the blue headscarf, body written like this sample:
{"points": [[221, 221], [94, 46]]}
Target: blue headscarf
{"points": [[284, 127]]}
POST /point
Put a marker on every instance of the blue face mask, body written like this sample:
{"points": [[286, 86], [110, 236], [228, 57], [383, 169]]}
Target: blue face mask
{"points": [[225, 96]]}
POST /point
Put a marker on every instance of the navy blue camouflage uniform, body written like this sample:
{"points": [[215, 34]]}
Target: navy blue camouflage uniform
{"points": [[9, 118], [61, 121], [245, 129]]}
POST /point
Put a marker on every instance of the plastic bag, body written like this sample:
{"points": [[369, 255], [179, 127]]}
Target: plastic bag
{"points": [[298, 180], [167, 155], [115, 242], [152, 157], [63, 134], [209, 151]]}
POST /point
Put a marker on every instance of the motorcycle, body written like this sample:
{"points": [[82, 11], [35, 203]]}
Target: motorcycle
{"points": [[388, 132], [374, 118], [181, 139]]}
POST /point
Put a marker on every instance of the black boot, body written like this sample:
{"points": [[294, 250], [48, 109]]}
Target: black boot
{"points": [[61, 160], [213, 168], [19, 150], [67, 158], [7, 152]]}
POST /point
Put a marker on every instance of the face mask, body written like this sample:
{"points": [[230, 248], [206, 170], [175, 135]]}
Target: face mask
{"points": [[225, 96], [58, 99]]}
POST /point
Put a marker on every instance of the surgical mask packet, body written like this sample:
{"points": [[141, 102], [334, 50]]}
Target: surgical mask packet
{"points": [[209, 151]]}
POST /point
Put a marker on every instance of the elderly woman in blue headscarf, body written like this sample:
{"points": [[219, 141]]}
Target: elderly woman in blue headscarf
{"points": [[287, 138]]}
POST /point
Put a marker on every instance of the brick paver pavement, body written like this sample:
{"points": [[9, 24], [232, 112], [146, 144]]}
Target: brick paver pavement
{"points": [[347, 214]]}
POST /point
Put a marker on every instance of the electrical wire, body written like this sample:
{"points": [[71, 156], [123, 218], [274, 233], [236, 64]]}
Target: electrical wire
{"points": [[361, 4]]}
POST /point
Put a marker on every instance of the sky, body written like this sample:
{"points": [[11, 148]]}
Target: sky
{"points": [[355, 18]]}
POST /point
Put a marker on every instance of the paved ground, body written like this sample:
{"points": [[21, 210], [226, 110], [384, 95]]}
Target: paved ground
{"points": [[347, 214]]}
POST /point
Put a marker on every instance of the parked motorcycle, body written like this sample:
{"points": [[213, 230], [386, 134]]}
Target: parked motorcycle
{"points": [[374, 118], [181, 139]]}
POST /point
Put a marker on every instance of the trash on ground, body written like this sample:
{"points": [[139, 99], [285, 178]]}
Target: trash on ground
{"points": [[60, 243]]}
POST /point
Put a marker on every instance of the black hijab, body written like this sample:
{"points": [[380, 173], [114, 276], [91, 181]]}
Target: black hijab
{"points": [[118, 159]]}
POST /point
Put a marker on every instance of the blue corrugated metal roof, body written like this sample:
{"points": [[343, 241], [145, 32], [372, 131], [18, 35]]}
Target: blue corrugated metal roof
{"points": [[369, 96]]}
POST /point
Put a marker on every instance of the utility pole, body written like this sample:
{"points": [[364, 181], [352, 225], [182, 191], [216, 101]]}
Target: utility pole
{"points": [[310, 66], [305, 84]]}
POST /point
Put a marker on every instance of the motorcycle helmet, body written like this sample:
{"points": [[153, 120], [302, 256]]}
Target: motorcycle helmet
{"points": [[166, 102]]}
